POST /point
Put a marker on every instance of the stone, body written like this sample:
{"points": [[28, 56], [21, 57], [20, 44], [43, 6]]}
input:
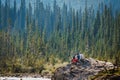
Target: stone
{"points": [[80, 71]]}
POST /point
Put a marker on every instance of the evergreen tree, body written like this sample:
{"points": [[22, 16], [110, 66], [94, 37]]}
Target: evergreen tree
{"points": [[14, 12], [30, 13], [22, 14], [0, 15]]}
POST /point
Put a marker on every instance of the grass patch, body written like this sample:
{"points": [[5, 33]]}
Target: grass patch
{"points": [[50, 68]]}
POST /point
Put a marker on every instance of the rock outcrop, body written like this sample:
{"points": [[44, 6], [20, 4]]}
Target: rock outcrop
{"points": [[82, 70]]}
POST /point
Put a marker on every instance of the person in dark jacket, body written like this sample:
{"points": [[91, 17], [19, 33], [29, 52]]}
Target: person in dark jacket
{"points": [[74, 60]]}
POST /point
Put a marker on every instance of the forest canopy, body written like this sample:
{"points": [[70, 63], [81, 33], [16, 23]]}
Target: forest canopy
{"points": [[32, 38]]}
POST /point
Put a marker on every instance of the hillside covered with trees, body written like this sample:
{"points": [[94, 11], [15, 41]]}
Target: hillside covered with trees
{"points": [[30, 38]]}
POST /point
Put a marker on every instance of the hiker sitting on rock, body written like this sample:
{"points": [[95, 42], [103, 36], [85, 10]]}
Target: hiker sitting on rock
{"points": [[80, 57], [74, 60]]}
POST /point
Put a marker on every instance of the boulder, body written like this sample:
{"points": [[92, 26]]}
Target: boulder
{"points": [[81, 71]]}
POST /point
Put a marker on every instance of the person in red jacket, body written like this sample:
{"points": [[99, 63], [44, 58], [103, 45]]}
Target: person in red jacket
{"points": [[74, 60]]}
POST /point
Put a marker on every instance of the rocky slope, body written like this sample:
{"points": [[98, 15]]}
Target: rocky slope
{"points": [[82, 70]]}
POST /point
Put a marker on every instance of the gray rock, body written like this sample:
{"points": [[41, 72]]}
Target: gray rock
{"points": [[82, 70]]}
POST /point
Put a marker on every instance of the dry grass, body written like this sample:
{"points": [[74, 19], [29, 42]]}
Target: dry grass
{"points": [[50, 68]]}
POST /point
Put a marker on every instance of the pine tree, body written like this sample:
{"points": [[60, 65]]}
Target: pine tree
{"points": [[64, 17], [30, 13], [14, 12], [22, 14], [0, 15]]}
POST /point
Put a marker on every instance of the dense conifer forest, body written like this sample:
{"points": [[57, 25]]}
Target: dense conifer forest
{"points": [[30, 38]]}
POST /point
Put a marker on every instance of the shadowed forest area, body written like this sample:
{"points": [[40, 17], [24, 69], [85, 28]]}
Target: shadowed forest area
{"points": [[31, 39]]}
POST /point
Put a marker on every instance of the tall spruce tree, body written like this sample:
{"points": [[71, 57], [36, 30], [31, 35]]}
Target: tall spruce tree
{"points": [[22, 14], [0, 15]]}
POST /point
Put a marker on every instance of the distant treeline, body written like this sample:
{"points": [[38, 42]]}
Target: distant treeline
{"points": [[31, 38]]}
